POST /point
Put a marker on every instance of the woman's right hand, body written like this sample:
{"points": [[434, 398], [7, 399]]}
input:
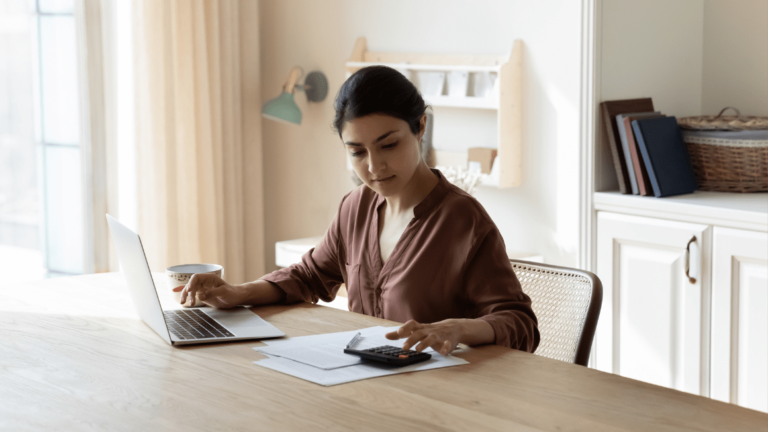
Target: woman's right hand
{"points": [[211, 290]]}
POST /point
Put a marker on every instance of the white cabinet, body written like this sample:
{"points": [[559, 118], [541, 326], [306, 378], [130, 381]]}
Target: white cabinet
{"points": [[705, 332], [740, 318], [636, 244], [651, 325]]}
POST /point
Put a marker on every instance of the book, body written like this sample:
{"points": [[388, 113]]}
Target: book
{"points": [[665, 155], [623, 132], [609, 110], [638, 166]]}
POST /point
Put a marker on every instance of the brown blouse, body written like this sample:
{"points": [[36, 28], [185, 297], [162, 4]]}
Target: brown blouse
{"points": [[450, 262]]}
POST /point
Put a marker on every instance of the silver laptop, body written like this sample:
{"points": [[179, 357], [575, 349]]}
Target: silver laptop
{"points": [[180, 326]]}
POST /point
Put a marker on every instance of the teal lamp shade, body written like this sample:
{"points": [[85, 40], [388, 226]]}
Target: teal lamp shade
{"points": [[283, 109]]}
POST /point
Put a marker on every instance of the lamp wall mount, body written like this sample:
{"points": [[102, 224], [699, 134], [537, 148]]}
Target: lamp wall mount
{"points": [[315, 84]]}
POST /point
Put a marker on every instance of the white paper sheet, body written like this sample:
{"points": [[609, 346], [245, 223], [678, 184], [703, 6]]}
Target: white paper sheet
{"points": [[352, 373], [321, 359], [321, 338], [327, 351], [319, 356]]}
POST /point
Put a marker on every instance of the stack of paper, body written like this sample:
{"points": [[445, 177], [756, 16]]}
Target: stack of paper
{"points": [[321, 358]]}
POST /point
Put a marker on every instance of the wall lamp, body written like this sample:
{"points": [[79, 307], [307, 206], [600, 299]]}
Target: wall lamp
{"points": [[283, 108]]}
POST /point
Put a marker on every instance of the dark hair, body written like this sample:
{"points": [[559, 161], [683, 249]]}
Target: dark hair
{"points": [[379, 90]]}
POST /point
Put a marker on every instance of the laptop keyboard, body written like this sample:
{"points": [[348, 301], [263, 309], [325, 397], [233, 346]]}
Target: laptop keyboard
{"points": [[189, 324]]}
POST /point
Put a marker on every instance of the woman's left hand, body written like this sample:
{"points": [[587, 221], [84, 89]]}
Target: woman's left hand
{"points": [[442, 336]]}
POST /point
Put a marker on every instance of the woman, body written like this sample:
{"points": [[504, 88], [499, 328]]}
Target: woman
{"points": [[410, 246]]}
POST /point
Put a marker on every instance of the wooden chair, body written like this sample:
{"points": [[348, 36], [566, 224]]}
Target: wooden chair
{"points": [[567, 304]]}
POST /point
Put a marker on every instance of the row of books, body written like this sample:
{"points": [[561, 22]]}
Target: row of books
{"points": [[648, 149]]}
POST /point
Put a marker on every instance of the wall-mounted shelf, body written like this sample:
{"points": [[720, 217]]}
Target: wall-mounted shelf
{"points": [[425, 67], [504, 96], [491, 103]]}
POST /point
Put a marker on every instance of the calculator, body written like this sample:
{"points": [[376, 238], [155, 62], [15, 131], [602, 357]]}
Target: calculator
{"points": [[390, 355]]}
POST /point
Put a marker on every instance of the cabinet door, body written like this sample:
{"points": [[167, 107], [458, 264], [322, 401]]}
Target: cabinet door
{"points": [[650, 325], [740, 317]]}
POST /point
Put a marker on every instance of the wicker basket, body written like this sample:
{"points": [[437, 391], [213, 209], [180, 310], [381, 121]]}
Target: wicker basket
{"points": [[725, 158], [724, 123]]}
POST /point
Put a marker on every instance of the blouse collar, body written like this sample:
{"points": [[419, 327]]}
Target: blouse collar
{"points": [[431, 200]]}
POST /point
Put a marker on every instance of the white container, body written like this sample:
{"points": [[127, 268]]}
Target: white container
{"points": [[483, 84], [181, 274], [457, 83], [431, 83]]}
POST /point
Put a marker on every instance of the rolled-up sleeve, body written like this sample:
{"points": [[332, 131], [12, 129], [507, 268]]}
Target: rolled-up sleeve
{"points": [[319, 274], [497, 296]]}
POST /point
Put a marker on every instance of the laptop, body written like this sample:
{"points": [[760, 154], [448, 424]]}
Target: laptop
{"points": [[183, 326]]}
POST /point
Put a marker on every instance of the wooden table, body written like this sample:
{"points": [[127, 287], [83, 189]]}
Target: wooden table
{"points": [[75, 356]]}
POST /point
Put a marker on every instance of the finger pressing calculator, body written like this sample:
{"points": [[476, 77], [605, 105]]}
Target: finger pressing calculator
{"points": [[390, 355]]}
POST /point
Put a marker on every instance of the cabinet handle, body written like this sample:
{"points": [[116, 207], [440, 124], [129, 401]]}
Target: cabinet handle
{"points": [[688, 260]]}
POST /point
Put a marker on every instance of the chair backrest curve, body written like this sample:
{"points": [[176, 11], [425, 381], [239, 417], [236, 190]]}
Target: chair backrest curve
{"points": [[567, 303]]}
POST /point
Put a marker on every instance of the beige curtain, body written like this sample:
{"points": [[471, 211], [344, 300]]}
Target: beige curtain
{"points": [[189, 133]]}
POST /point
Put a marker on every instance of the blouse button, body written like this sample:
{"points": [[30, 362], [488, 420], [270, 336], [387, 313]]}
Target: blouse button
{"points": [[521, 297], [378, 311]]}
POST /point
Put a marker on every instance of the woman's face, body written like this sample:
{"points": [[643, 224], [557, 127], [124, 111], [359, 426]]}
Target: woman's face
{"points": [[384, 152]]}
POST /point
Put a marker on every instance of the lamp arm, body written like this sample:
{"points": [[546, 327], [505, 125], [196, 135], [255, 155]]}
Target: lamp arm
{"points": [[293, 76]]}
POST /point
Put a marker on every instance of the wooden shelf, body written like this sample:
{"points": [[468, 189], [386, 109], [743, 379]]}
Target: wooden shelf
{"points": [[426, 67], [491, 103], [505, 98]]}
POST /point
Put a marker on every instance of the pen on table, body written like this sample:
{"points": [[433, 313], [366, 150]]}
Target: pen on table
{"points": [[353, 341]]}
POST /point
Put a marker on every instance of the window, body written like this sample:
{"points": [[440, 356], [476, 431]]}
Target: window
{"points": [[41, 209]]}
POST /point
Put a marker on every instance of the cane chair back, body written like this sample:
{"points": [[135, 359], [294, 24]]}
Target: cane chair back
{"points": [[567, 304]]}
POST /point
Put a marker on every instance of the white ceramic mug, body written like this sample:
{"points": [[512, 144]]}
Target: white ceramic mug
{"points": [[179, 275]]}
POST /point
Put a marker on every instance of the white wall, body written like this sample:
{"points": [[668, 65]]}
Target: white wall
{"points": [[653, 48], [304, 167], [735, 56]]}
